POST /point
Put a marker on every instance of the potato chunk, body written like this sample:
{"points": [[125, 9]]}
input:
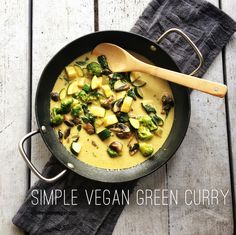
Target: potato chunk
{"points": [[71, 72], [126, 104], [110, 120]]}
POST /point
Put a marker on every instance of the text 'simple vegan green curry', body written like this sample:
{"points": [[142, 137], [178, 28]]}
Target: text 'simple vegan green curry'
{"points": [[110, 120]]}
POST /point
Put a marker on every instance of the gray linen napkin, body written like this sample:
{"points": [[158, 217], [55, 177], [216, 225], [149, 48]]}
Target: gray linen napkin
{"points": [[210, 29]]}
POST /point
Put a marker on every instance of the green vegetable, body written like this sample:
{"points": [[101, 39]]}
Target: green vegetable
{"points": [[147, 122], [102, 60], [157, 120], [144, 133], [112, 153], [139, 92], [134, 123], [79, 127], [76, 110], [83, 96], [146, 149], [66, 106], [62, 94], [88, 118], [75, 148], [86, 88], [81, 63], [148, 108], [122, 117], [56, 118], [131, 93], [94, 68], [104, 134], [72, 88]]}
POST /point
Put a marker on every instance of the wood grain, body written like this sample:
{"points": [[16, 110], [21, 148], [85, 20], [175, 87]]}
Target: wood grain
{"points": [[14, 18], [55, 25], [135, 219], [229, 7], [202, 163], [201, 145]]}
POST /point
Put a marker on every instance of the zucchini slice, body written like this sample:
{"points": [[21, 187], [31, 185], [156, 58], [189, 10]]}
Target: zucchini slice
{"points": [[96, 82], [134, 123], [139, 83], [62, 94], [104, 134], [72, 88], [139, 92], [75, 148]]}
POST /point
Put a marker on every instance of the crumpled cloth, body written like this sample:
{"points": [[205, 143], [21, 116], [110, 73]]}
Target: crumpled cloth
{"points": [[210, 29]]}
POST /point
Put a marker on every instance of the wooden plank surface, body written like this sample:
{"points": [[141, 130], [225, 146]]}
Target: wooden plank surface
{"points": [[202, 162], [14, 18], [135, 219], [55, 25], [200, 145], [229, 7]]}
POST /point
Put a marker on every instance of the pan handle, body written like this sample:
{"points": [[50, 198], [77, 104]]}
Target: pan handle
{"points": [[191, 43], [30, 165]]}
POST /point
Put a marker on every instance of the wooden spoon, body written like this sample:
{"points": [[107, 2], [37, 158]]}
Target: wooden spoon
{"points": [[120, 60]]}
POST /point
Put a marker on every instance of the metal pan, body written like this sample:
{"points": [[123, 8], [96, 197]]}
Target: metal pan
{"points": [[129, 41]]}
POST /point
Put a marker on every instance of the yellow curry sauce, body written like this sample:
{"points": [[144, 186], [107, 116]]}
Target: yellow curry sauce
{"points": [[93, 149]]}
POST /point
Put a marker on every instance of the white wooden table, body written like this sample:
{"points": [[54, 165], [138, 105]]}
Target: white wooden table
{"points": [[31, 33]]}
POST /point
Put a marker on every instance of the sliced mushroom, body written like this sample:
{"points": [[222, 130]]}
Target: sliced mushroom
{"points": [[76, 121], [122, 131], [121, 86], [89, 128], [116, 146], [120, 127], [133, 149], [68, 122], [55, 96], [67, 133], [117, 105], [60, 134], [107, 103]]}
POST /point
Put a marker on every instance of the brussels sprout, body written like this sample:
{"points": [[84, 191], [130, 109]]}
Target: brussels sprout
{"points": [[66, 106], [146, 149], [144, 133], [147, 122], [76, 110], [94, 68], [83, 96], [56, 118]]}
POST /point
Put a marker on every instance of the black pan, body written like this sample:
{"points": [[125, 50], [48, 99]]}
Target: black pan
{"points": [[129, 41]]}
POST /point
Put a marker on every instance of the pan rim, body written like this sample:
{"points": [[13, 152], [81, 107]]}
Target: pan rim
{"points": [[111, 179]]}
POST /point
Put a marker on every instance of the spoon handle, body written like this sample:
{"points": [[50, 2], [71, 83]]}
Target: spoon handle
{"points": [[209, 87]]}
